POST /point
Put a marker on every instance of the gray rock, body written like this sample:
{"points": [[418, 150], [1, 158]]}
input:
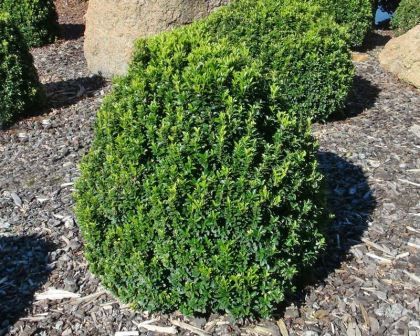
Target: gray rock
{"points": [[401, 56], [113, 26], [4, 224], [268, 328], [415, 129], [67, 332], [70, 285], [310, 333], [68, 222], [291, 312], [16, 199], [395, 311], [199, 322]]}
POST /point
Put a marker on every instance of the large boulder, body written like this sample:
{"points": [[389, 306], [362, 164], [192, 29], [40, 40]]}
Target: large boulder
{"points": [[113, 26], [401, 56]]}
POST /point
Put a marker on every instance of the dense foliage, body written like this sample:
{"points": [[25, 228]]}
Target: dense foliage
{"points": [[20, 90], [36, 19], [201, 191], [303, 53], [407, 16], [356, 16]]}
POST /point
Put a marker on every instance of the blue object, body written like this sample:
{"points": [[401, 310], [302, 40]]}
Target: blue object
{"points": [[381, 15]]}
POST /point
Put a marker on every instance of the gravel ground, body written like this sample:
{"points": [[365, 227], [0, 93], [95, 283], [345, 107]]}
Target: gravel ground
{"points": [[367, 284]]}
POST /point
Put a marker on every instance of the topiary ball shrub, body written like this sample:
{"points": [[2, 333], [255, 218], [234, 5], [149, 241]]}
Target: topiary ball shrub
{"points": [[20, 90], [36, 19], [197, 195], [200, 192], [303, 51], [406, 16], [356, 16]]}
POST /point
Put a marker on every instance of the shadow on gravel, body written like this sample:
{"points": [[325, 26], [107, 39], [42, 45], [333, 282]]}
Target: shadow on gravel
{"points": [[69, 92], [23, 270], [351, 200], [384, 25], [71, 31], [374, 39], [362, 96], [63, 94]]}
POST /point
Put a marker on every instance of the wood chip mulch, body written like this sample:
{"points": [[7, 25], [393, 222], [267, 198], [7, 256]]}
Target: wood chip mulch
{"points": [[367, 284]]}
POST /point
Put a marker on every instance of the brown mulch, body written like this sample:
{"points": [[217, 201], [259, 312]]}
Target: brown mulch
{"points": [[367, 284], [71, 14], [71, 11]]}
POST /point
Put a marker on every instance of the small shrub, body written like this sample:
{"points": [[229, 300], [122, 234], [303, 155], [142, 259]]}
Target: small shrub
{"points": [[20, 90], [303, 51], [36, 19], [201, 191], [407, 16], [190, 199], [356, 16]]}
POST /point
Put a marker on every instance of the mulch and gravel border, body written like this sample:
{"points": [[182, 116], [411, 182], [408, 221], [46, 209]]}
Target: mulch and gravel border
{"points": [[367, 283]]}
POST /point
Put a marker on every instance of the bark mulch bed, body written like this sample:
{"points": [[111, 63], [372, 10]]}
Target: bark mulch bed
{"points": [[367, 284]]}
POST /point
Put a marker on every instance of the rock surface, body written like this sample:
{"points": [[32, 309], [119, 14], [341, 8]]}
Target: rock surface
{"points": [[401, 56], [113, 26]]}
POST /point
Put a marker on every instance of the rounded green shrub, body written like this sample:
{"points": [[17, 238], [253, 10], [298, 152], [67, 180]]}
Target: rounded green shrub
{"points": [[20, 90], [201, 191], [36, 19], [303, 51], [406, 16], [356, 16]]}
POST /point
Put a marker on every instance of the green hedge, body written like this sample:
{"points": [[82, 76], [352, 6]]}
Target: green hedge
{"points": [[36, 19], [201, 191], [303, 52], [20, 90], [406, 16], [356, 16]]}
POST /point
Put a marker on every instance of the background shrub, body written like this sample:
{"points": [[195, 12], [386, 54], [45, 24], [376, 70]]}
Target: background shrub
{"points": [[303, 51], [20, 90], [356, 16], [406, 16], [36, 19], [201, 191]]}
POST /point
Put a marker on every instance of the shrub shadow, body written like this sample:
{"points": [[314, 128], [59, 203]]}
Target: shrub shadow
{"points": [[384, 25], [69, 92], [71, 31], [389, 5], [62, 94], [351, 201], [374, 39], [23, 270], [362, 96]]}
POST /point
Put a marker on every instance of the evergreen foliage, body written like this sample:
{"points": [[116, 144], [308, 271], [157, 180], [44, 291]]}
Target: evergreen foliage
{"points": [[36, 19], [406, 16], [201, 191], [303, 51], [356, 16], [20, 90]]}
